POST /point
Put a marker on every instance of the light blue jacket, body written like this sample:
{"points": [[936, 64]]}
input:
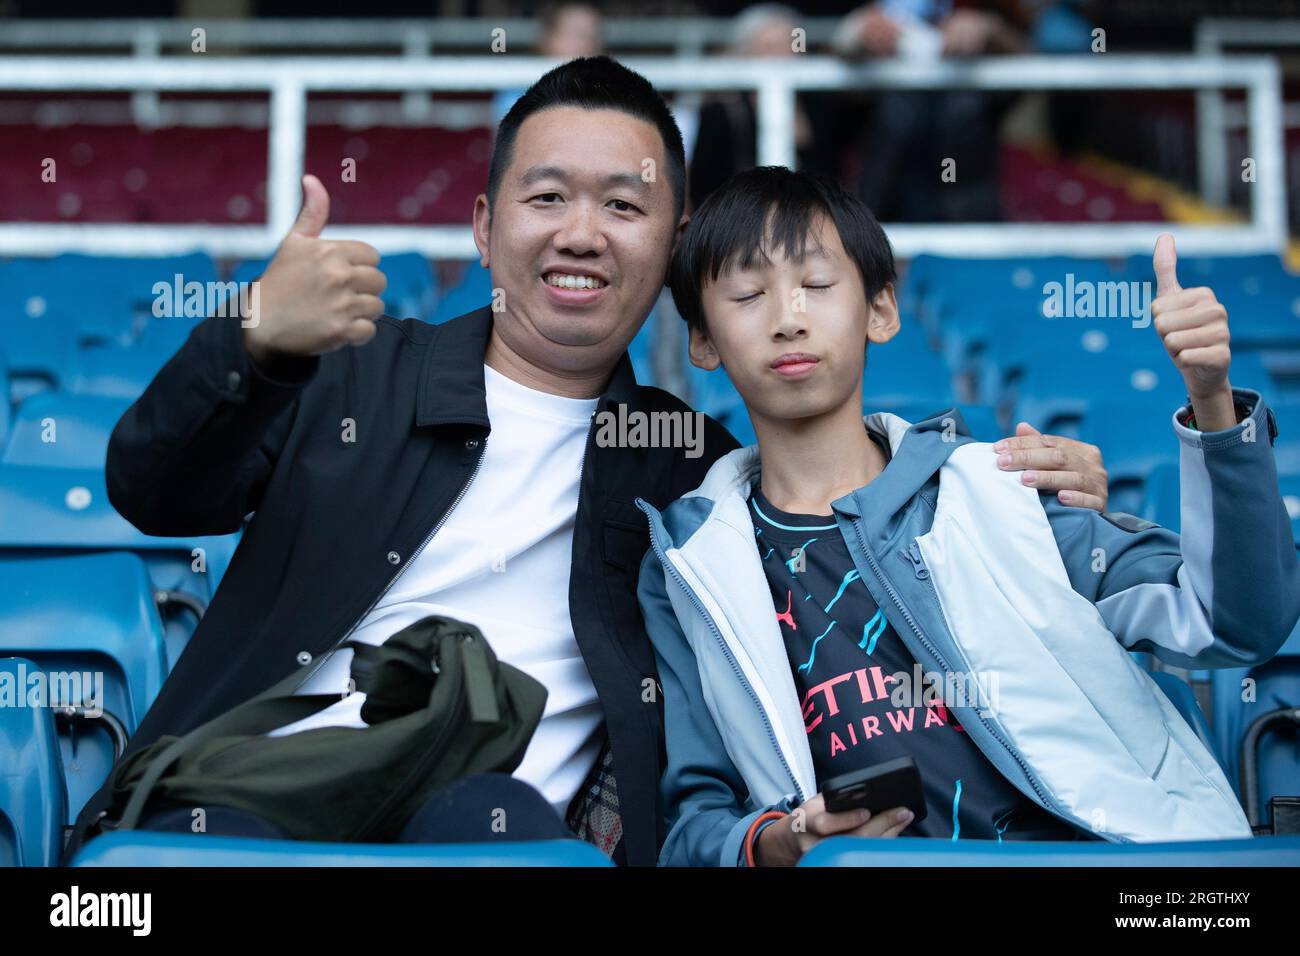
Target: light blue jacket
{"points": [[985, 578]]}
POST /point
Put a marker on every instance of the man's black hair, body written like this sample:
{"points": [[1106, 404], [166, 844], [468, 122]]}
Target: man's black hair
{"points": [[593, 82], [731, 225]]}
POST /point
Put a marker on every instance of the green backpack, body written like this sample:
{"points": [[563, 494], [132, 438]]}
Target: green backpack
{"points": [[439, 706]]}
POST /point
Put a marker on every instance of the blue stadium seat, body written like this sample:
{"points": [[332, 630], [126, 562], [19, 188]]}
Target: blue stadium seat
{"points": [[1055, 395], [119, 373], [1261, 296], [112, 626], [1136, 439], [33, 796], [412, 290], [40, 291], [53, 290], [248, 270], [128, 296], [67, 509], [60, 430], [977, 305], [1286, 409], [161, 339], [142, 848], [473, 291], [641, 349], [1281, 851], [1242, 695], [39, 356], [713, 394], [906, 370], [1274, 685], [6, 401], [106, 647]]}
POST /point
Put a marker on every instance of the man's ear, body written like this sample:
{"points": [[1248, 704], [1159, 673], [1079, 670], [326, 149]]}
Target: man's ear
{"points": [[703, 354], [882, 322], [482, 226]]}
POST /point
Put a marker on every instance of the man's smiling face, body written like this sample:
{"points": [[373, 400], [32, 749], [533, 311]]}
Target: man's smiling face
{"points": [[580, 236]]}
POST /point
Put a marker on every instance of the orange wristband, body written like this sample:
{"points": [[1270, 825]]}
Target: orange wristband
{"points": [[753, 828]]}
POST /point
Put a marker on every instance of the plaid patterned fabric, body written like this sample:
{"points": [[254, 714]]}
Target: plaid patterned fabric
{"points": [[593, 814]]}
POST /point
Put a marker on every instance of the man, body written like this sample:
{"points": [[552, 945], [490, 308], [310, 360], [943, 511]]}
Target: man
{"points": [[366, 445]]}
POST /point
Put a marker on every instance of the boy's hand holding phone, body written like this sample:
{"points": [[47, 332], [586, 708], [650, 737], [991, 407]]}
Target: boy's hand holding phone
{"points": [[785, 841], [1194, 328]]}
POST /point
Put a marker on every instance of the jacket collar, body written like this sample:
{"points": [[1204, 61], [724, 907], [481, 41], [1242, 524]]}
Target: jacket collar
{"points": [[451, 389], [919, 450]]}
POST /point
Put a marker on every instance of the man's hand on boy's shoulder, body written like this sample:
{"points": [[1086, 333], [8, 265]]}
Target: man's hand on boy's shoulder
{"points": [[1071, 468]]}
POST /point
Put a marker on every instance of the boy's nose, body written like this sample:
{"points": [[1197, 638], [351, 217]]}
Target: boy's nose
{"points": [[792, 321]]}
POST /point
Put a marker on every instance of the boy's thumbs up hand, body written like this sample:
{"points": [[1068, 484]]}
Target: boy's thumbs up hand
{"points": [[1165, 262], [316, 294], [1193, 326]]}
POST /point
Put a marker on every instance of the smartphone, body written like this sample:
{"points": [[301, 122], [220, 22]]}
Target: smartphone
{"points": [[894, 783]]}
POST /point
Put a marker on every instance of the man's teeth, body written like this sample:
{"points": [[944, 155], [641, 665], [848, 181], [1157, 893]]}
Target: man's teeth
{"points": [[564, 281]]}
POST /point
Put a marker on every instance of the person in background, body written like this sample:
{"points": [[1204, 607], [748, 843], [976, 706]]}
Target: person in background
{"points": [[568, 30], [910, 134], [726, 142]]}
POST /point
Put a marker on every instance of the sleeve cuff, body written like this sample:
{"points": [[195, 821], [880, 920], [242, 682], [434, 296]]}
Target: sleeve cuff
{"points": [[737, 845], [1257, 424], [756, 830], [236, 377]]}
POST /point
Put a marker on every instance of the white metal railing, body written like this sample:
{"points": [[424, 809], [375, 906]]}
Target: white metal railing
{"points": [[1214, 118], [289, 81], [686, 36], [418, 39]]}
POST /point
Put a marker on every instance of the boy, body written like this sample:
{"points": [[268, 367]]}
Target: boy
{"points": [[795, 595]]}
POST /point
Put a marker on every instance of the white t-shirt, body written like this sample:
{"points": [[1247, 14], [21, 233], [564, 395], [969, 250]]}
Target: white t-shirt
{"points": [[501, 561]]}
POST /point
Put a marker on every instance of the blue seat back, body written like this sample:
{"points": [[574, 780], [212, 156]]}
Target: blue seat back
{"points": [[33, 799], [61, 430], [143, 848], [882, 854]]}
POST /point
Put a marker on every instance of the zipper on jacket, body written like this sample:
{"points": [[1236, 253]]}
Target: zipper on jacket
{"points": [[717, 634], [913, 555], [423, 544]]}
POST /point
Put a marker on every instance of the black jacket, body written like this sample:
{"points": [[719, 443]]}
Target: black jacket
{"points": [[213, 438]]}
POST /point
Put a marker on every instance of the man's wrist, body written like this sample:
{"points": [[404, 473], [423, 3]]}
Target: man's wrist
{"points": [[257, 351]]}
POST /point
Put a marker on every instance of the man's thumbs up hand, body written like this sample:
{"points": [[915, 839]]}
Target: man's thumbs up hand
{"points": [[1194, 328], [316, 295], [315, 210]]}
